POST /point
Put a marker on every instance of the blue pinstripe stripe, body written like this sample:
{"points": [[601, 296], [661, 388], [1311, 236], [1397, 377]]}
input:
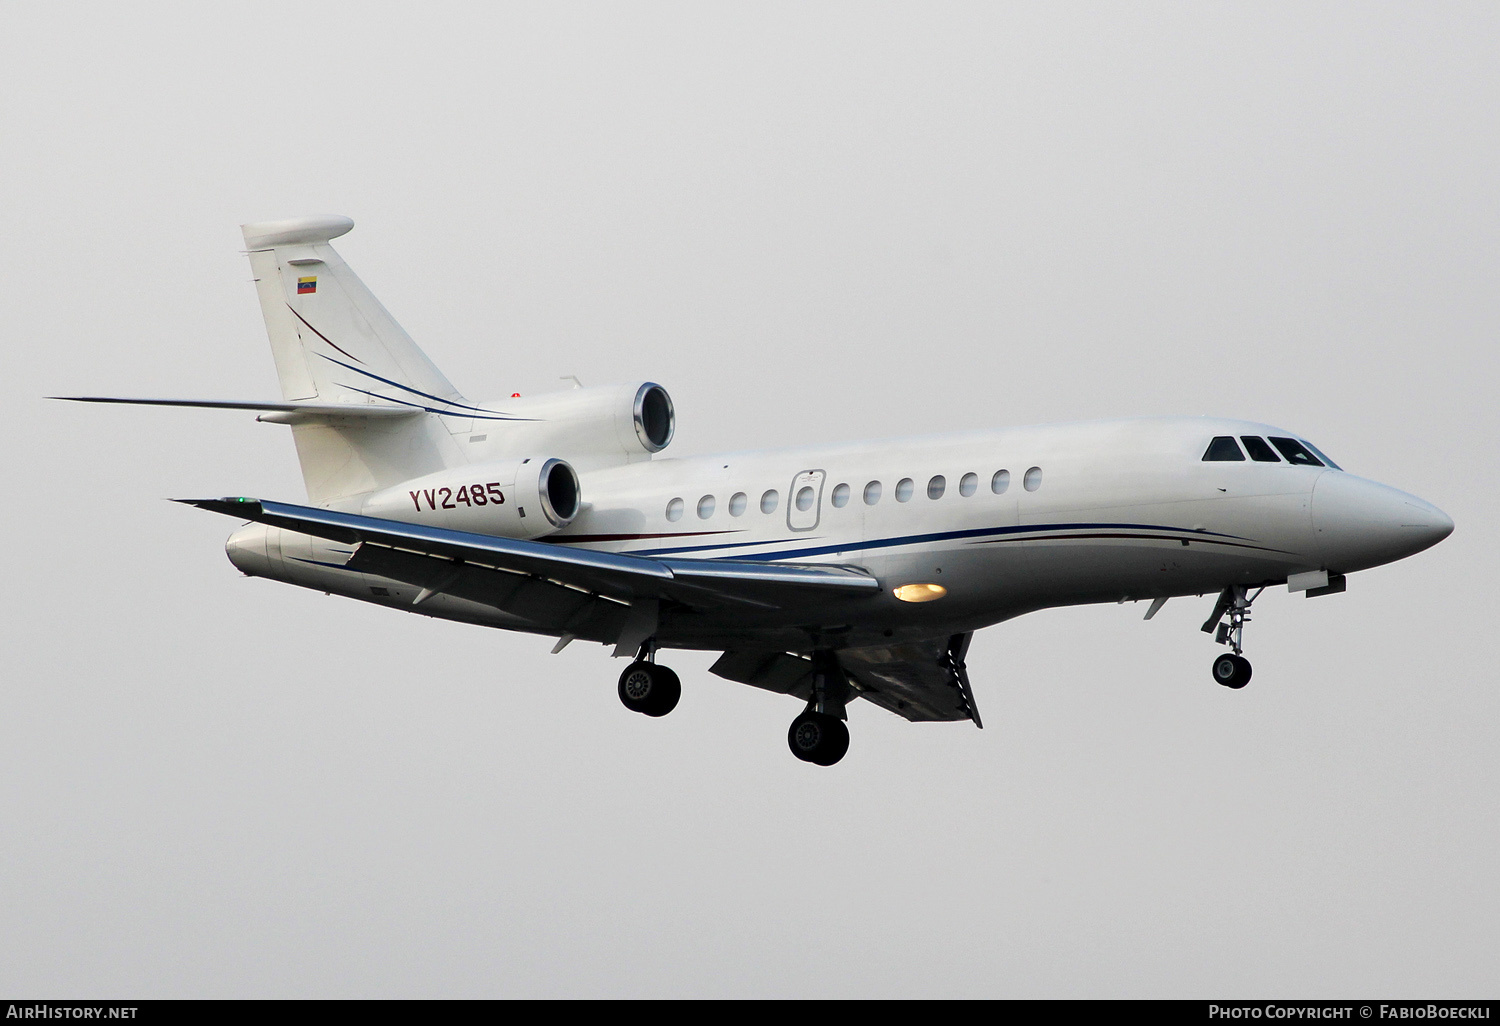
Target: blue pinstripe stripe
{"points": [[921, 539], [406, 388]]}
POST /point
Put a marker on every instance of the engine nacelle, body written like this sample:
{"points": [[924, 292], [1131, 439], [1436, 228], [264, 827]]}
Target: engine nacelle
{"points": [[608, 422], [522, 498]]}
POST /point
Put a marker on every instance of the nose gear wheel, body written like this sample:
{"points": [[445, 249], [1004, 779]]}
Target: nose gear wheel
{"points": [[1232, 671]]}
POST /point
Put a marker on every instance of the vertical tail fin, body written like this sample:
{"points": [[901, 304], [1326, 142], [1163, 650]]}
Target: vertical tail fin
{"points": [[331, 337], [334, 342]]}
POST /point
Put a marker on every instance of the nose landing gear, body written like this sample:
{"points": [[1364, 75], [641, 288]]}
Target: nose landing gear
{"points": [[1232, 670]]}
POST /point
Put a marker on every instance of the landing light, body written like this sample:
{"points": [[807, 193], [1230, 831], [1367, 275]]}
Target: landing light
{"points": [[920, 592]]}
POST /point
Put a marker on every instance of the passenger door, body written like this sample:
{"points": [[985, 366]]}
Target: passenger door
{"points": [[804, 501]]}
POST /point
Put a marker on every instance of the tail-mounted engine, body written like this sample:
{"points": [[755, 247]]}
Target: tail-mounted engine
{"points": [[524, 498], [594, 425]]}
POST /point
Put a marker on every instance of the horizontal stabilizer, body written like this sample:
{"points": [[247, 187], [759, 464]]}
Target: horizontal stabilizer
{"points": [[285, 412]]}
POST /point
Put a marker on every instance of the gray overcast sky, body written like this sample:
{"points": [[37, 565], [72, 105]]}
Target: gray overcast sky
{"points": [[809, 221]]}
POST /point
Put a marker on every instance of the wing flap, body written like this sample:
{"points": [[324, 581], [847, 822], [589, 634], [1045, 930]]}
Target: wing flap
{"points": [[549, 607], [780, 672]]}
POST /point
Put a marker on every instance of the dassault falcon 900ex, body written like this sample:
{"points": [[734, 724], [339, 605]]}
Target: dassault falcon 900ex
{"points": [[827, 573]]}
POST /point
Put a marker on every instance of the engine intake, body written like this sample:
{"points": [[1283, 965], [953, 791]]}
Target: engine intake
{"points": [[558, 492], [655, 421]]}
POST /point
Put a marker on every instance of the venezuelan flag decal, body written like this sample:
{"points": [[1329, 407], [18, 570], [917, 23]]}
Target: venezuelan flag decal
{"points": [[307, 285]]}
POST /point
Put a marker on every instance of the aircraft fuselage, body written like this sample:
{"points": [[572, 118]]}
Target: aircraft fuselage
{"points": [[1005, 522]]}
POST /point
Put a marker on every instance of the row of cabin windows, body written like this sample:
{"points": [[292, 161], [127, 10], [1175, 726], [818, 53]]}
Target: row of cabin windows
{"points": [[1224, 449], [905, 488]]}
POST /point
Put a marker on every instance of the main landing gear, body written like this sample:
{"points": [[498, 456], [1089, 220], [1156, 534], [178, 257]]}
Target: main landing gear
{"points": [[647, 687], [819, 736], [1232, 669]]}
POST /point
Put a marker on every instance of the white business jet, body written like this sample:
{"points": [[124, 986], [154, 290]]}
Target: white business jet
{"points": [[827, 573]]}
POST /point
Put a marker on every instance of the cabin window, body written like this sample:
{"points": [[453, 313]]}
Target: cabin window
{"points": [[1259, 451], [937, 486], [737, 503], [1296, 453], [1000, 482], [903, 489], [705, 507], [872, 493], [968, 484], [1033, 479], [805, 498], [1224, 449], [674, 510], [841, 496], [768, 501]]}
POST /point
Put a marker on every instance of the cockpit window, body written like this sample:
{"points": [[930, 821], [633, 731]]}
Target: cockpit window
{"points": [[1295, 452], [1259, 451], [1224, 449], [1319, 454]]}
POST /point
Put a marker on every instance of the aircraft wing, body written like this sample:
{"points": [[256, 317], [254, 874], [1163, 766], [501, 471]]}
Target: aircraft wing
{"points": [[424, 554], [920, 681], [560, 589]]}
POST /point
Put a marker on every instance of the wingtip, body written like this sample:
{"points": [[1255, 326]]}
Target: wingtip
{"points": [[234, 505]]}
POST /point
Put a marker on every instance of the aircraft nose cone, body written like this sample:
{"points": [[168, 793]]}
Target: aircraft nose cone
{"points": [[1359, 523], [1428, 523]]}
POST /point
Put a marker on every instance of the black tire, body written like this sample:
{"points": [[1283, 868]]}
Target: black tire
{"points": [[669, 692], [650, 689], [818, 738], [1232, 671]]}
